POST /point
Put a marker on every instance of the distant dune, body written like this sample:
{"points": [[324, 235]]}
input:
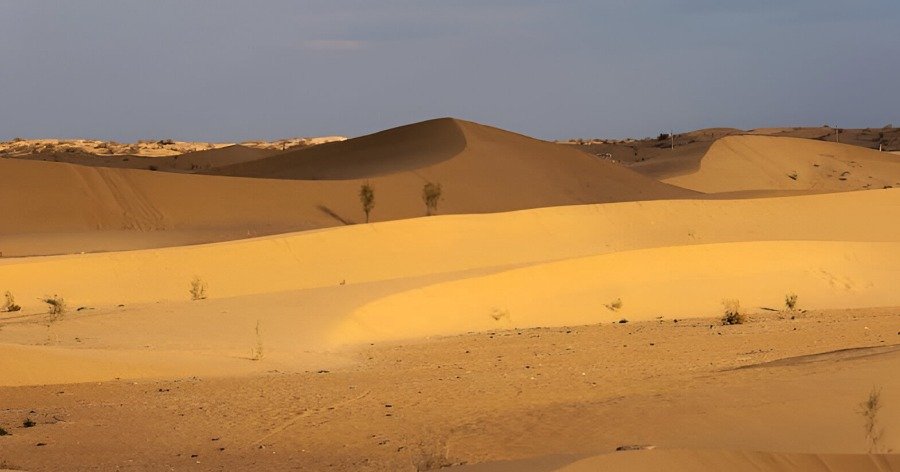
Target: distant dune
{"points": [[737, 163], [187, 163], [146, 148]]}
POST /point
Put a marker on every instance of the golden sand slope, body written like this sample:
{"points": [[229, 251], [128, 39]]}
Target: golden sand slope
{"points": [[426, 246], [737, 163], [450, 274], [679, 282]]}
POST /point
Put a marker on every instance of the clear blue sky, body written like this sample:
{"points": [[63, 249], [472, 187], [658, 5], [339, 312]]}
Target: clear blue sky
{"points": [[232, 70]]}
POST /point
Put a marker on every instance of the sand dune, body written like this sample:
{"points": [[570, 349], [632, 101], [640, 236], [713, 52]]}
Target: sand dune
{"points": [[680, 282], [481, 170], [738, 163], [541, 267], [410, 248]]}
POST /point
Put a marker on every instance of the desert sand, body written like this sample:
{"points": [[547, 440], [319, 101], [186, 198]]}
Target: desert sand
{"points": [[559, 306]]}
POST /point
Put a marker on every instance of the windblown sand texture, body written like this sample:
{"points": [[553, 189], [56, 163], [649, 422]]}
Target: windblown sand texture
{"points": [[558, 306]]}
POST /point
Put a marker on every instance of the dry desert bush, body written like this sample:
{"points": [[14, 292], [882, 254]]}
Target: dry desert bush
{"points": [[10, 304], [790, 301], [614, 305], [256, 352], [732, 315], [498, 314], [868, 409], [57, 306], [431, 195], [367, 198], [198, 289]]}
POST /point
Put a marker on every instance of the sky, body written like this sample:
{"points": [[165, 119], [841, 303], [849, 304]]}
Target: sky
{"points": [[230, 71]]}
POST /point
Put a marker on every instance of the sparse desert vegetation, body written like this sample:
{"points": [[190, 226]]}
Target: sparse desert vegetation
{"points": [[790, 301], [431, 195], [198, 289], [499, 314], [733, 314], [56, 306], [869, 409], [367, 199], [614, 305], [256, 352], [9, 304]]}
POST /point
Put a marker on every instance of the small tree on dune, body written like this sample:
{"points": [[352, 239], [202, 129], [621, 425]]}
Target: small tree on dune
{"points": [[367, 198], [431, 195]]}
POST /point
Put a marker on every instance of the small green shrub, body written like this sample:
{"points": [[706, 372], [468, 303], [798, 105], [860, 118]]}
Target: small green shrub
{"points": [[732, 315]]}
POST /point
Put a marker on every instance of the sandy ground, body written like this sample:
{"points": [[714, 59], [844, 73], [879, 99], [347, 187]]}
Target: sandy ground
{"points": [[578, 391], [561, 306]]}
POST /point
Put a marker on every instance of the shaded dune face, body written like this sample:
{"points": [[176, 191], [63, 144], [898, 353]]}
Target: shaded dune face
{"points": [[470, 159], [405, 148]]}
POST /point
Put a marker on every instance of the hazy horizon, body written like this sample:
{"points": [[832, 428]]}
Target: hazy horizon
{"points": [[233, 71]]}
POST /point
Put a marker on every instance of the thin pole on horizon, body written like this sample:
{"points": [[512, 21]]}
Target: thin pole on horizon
{"points": [[672, 135]]}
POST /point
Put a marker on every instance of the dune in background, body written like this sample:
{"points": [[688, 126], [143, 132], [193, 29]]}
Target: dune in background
{"points": [[145, 148], [482, 170], [737, 163]]}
